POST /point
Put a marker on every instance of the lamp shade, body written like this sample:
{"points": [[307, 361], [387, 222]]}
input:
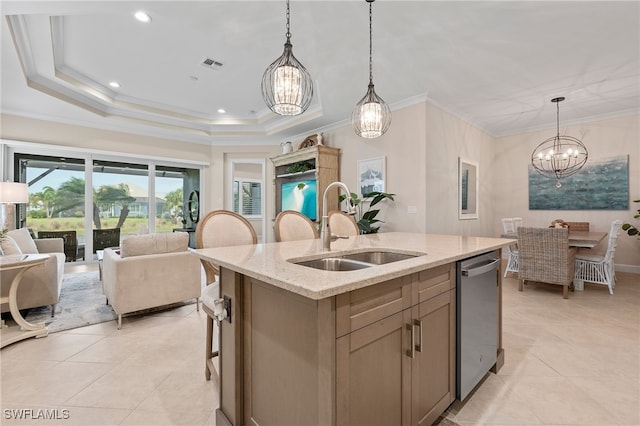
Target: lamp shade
{"points": [[14, 193]]}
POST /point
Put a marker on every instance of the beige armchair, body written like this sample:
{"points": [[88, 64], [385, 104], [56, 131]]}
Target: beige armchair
{"points": [[544, 256], [150, 270], [40, 286]]}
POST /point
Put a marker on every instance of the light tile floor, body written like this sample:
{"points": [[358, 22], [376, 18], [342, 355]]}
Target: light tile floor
{"points": [[572, 361]]}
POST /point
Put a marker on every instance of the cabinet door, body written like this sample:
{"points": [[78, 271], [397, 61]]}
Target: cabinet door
{"points": [[373, 373], [433, 372]]}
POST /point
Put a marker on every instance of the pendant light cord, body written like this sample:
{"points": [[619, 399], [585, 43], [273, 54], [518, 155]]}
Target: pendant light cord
{"points": [[558, 118], [370, 43], [288, 29]]}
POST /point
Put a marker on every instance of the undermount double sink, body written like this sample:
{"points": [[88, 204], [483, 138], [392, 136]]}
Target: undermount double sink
{"points": [[355, 261]]}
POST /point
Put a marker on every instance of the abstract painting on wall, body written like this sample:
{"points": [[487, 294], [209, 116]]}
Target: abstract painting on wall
{"points": [[602, 184]]}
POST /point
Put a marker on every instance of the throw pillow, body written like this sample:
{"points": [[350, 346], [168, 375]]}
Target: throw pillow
{"points": [[24, 240], [9, 246]]}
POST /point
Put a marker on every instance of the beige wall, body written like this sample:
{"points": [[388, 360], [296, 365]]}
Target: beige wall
{"points": [[605, 138], [421, 149], [404, 148]]}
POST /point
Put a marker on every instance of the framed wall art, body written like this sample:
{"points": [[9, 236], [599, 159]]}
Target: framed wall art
{"points": [[372, 175], [467, 189]]}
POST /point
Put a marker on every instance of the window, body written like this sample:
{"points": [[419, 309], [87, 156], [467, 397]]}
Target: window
{"points": [[133, 197], [247, 197]]}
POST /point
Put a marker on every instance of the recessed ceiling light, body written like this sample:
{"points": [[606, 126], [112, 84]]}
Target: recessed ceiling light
{"points": [[114, 84], [222, 110], [142, 16]]}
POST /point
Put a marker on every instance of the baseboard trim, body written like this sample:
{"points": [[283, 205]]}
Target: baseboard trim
{"points": [[634, 269]]}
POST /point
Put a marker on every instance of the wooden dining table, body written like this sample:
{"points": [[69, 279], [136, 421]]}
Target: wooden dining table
{"points": [[586, 239], [576, 238]]}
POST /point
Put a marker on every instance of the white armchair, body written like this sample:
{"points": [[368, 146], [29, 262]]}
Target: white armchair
{"points": [[150, 270], [39, 286]]}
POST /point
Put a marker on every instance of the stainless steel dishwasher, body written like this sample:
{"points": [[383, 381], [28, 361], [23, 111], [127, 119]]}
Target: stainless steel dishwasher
{"points": [[477, 320]]}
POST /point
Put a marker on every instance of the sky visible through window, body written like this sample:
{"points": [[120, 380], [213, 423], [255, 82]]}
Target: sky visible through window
{"points": [[55, 179]]}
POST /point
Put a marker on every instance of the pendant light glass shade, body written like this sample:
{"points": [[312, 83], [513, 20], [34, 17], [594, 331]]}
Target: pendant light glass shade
{"points": [[371, 117], [559, 156], [287, 88]]}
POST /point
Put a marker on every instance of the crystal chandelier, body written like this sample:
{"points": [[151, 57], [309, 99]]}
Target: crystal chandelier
{"points": [[371, 117], [559, 156], [287, 87]]}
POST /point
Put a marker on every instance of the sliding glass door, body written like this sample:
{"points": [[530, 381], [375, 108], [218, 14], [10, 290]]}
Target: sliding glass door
{"points": [[123, 198]]}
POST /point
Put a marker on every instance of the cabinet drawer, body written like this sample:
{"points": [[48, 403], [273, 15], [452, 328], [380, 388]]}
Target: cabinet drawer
{"points": [[362, 307], [433, 282]]}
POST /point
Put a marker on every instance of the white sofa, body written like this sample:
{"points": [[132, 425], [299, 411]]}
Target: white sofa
{"points": [[150, 270], [40, 286]]}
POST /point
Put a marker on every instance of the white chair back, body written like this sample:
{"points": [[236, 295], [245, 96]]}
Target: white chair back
{"points": [[517, 223], [508, 225], [616, 227], [292, 226], [222, 228], [342, 224]]}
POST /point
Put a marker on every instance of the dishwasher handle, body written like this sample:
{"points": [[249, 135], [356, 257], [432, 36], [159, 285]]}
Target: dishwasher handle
{"points": [[481, 269]]}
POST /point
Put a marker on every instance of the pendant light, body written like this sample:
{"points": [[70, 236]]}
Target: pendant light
{"points": [[559, 156], [287, 87], [371, 117]]}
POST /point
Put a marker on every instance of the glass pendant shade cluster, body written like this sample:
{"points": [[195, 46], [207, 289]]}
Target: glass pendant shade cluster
{"points": [[371, 117], [559, 156], [287, 88]]}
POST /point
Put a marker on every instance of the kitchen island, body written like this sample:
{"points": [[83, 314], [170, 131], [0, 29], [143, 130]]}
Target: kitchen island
{"points": [[367, 346]]}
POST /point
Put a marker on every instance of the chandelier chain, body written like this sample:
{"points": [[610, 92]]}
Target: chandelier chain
{"points": [[288, 35], [370, 43]]}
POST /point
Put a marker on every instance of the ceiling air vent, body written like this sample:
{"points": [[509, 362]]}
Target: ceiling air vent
{"points": [[211, 63]]}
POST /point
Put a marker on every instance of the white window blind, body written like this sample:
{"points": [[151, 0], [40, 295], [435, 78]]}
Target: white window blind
{"points": [[247, 197]]}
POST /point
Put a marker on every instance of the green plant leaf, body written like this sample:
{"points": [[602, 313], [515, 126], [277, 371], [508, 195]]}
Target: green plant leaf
{"points": [[364, 226], [370, 215]]}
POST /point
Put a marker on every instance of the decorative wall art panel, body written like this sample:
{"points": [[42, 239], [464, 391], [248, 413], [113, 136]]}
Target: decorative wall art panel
{"points": [[372, 175], [602, 184]]}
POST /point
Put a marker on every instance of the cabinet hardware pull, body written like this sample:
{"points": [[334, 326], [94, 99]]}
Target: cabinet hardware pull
{"points": [[411, 352], [419, 324]]}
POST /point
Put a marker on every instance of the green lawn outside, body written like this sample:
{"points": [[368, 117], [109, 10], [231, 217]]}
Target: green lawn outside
{"points": [[131, 225]]}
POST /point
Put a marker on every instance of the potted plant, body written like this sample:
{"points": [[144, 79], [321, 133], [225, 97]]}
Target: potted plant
{"points": [[367, 219], [629, 228]]}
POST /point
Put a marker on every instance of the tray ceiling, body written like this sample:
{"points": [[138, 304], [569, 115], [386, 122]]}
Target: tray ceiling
{"points": [[494, 64]]}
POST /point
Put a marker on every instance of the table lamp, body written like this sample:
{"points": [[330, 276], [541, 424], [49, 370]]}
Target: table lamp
{"points": [[12, 193]]}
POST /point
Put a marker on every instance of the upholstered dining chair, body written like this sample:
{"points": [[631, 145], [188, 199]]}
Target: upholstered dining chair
{"points": [[292, 226], [544, 256], [218, 228], [599, 269], [342, 224]]}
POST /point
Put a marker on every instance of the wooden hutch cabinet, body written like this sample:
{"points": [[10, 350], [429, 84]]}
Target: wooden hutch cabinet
{"points": [[316, 167]]}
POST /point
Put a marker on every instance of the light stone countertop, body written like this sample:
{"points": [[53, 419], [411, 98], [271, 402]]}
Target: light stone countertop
{"points": [[273, 262]]}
